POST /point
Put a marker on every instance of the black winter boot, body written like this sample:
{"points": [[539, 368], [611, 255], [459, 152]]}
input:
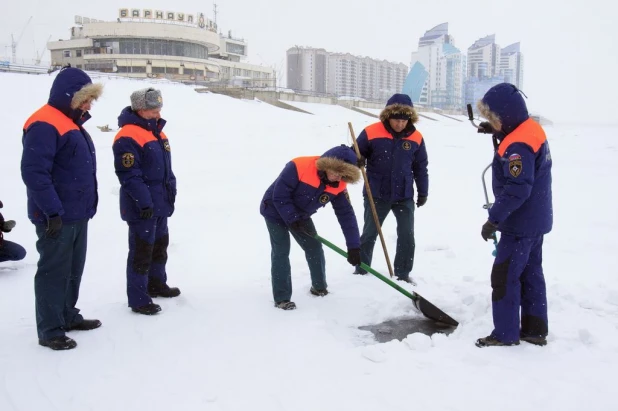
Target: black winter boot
{"points": [[169, 292], [318, 293], [540, 341], [359, 271], [148, 309], [59, 343], [407, 279], [85, 325], [491, 341], [286, 305]]}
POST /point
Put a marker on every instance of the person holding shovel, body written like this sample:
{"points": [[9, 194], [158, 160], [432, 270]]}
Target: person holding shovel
{"points": [[523, 213], [394, 152], [305, 185]]}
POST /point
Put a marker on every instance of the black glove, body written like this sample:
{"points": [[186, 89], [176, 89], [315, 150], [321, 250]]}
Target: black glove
{"points": [[489, 230], [303, 227], [354, 257], [54, 225], [486, 128], [7, 226], [146, 213], [361, 162], [421, 200]]}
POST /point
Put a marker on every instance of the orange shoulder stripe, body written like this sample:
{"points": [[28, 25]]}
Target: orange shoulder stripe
{"points": [[529, 132], [308, 174], [138, 134], [53, 117], [417, 137], [377, 130]]}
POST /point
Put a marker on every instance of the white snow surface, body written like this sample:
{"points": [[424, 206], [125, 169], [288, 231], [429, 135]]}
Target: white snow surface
{"points": [[222, 345]]}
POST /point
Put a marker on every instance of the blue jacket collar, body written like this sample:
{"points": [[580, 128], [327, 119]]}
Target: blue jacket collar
{"points": [[128, 116]]}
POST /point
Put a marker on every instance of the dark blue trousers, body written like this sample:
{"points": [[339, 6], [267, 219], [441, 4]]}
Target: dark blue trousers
{"points": [[10, 251], [404, 214], [58, 277], [148, 241], [280, 270], [517, 281]]}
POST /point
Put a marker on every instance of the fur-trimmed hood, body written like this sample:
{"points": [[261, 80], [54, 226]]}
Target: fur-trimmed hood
{"points": [[504, 107], [397, 108], [341, 160], [71, 88]]}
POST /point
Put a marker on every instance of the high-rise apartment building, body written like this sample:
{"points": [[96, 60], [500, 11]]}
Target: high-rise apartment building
{"points": [[489, 65], [343, 74], [512, 65], [484, 58], [437, 71], [307, 69]]}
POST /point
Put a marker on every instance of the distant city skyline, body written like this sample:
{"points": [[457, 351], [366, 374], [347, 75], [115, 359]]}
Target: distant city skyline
{"points": [[548, 32]]}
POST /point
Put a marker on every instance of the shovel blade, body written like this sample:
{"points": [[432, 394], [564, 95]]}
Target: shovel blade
{"points": [[431, 311]]}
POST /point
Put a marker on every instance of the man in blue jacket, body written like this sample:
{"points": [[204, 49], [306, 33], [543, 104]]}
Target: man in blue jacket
{"points": [[143, 163], [396, 158], [59, 168], [523, 213], [305, 185]]}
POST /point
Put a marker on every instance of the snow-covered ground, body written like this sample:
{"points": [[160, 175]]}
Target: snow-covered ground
{"points": [[221, 345]]}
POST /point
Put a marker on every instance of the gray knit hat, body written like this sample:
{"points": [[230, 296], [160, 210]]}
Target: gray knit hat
{"points": [[146, 99]]}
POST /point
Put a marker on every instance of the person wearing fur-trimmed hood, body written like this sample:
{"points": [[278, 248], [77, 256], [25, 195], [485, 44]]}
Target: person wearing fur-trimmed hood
{"points": [[59, 167], [305, 185], [523, 213], [394, 153]]}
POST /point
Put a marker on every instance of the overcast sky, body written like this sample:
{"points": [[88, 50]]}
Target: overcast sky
{"points": [[570, 50]]}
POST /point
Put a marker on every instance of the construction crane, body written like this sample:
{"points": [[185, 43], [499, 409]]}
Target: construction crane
{"points": [[15, 43], [39, 54]]}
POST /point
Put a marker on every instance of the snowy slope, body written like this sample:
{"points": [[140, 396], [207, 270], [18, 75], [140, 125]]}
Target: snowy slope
{"points": [[222, 346]]}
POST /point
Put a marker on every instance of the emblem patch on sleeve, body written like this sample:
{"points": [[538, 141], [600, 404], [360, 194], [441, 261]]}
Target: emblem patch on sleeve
{"points": [[347, 196], [515, 167], [166, 145], [324, 198], [128, 159]]}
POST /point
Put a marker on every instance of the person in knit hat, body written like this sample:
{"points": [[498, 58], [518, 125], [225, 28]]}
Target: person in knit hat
{"points": [[305, 185], [394, 152], [143, 164]]}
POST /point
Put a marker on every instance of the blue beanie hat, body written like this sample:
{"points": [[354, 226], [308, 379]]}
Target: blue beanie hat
{"points": [[402, 99]]}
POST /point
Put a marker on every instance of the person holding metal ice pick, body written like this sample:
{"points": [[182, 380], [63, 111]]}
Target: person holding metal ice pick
{"points": [[304, 186], [522, 212]]}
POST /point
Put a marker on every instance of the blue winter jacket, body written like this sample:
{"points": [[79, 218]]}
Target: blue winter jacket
{"points": [[521, 168], [143, 163], [301, 190], [394, 163], [58, 163]]}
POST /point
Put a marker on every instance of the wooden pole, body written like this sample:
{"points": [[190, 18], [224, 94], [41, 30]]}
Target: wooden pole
{"points": [[371, 203]]}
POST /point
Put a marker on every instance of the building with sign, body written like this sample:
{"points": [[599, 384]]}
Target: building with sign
{"points": [[159, 44]]}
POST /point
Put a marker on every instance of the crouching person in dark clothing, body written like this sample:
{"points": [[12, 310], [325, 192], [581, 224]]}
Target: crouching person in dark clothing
{"points": [[143, 163], [9, 251], [522, 212], [305, 185], [59, 169]]}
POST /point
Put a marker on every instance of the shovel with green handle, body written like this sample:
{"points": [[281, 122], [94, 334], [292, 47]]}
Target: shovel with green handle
{"points": [[425, 307]]}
